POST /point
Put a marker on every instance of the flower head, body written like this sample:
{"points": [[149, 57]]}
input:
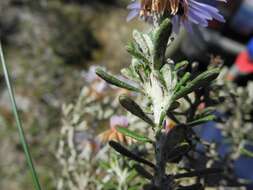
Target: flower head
{"points": [[168, 125], [182, 12], [97, 84], [117, 120], [113, 134]]}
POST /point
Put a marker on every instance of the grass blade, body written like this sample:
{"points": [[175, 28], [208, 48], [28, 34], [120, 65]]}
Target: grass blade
{"points": [[18, 122]]}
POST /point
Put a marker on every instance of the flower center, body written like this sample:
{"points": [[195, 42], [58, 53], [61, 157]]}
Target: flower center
{"points": [[174, 7]]}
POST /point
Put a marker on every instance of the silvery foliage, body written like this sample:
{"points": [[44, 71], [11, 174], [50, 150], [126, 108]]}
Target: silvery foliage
{"points": [[84, 162], [168, 87]]}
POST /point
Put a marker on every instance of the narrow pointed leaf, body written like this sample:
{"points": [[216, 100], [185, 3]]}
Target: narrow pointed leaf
{"points": [[138, 37], [133, 135], [181, 65], [197, 186], [246, 152], [149, 42], [125, 152], [134, 108], [173, 106], [202, 120], [199, 173], [178, 151], [144, 173], [201, 80], [130, 74], [160, 43], [115, 81], [136, 53], [167, 108], [183, 81], [207, 111], [20, 129], [168, 76], [175, 136]]}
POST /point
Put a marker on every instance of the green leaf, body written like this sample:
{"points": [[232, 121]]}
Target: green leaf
{"points": [[203, 79], [169, 77], [130, 73], [202, 120], [207, 111], [175, 137], [246, 152], [133, 135], [20, 129], [104, 165], [183, 81], [142, 171], [141, 70], [115, 81], [109, 185], [199, 172], [137, 54], [181, 65], [160, 43], [134, 108], [131, 176], [178, 151], [125, 152], [139, 38], [173, 106], [149, 42]]}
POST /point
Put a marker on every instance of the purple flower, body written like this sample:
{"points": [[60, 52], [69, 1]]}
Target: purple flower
{"points": [[196, 13], [113, 134], [134, 8], [183, 12], [117, 120], [90, 76], [96, 83]]}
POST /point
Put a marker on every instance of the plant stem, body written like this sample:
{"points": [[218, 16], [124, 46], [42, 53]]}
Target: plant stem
{"points": [[18, 122], [160, 175]]}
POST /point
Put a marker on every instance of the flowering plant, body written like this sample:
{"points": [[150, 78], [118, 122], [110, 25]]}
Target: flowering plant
{"points": [[174, 92], [182, 12]]}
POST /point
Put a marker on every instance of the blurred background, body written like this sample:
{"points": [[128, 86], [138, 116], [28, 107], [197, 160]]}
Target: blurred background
{"points": [[49, 44]]}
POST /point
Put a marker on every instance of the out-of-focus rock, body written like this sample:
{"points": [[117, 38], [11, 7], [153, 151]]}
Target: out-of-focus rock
{"points": [[72, 37], [8, 21]]}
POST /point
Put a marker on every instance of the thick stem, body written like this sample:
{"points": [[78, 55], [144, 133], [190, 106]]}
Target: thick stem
{"points": [[160, 180]]}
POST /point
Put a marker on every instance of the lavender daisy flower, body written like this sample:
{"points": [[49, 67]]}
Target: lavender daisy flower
{"points": [[96, 83], [195, 12], [118, 121], [134, 8], [183, 12], [113, 134]]}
